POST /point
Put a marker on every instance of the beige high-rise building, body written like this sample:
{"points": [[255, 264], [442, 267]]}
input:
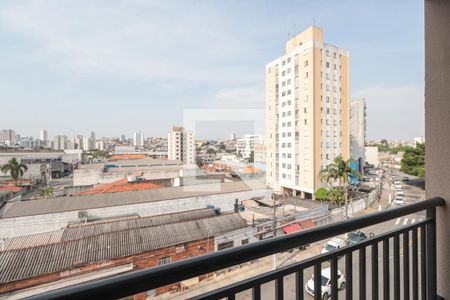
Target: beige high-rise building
{"points": [[181, 145], [307, 112]]}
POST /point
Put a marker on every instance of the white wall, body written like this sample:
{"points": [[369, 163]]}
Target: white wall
{"points": [[12, 227]]}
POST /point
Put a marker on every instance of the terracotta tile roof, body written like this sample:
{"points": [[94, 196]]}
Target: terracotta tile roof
{"points": [[121, 185], [14, 189], [128, 156]]}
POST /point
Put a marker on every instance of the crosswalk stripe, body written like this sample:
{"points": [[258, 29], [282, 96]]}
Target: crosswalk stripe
{"points": [[405, 221], [398, 221]]}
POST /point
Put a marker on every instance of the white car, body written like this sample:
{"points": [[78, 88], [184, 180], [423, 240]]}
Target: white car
{"points": [[325, 283], [400, 193], [333, 244], [399, 201]]}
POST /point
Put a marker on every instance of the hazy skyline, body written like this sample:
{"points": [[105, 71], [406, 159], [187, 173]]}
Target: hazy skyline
{"points": [[115, 67]]}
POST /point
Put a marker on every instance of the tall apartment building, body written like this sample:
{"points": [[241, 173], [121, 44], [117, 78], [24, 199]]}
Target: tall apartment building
{"points": [[246, 145], [8, 136], [60, 142], [307, 112], [138, 139], [43, 135], [88, 143], [358, 132], [181, 145]]}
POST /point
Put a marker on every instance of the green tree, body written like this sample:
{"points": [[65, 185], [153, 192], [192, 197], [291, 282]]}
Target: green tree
{"points": [[322, 194], [337, 196], [413, 161], [211, 151], [14, 168], [45, 192], [339, 171], [252, 157]]}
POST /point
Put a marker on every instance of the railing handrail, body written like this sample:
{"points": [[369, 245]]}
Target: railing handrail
{"points": [[151, 278]]}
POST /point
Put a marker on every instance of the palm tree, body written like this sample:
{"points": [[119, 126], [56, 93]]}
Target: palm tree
{"points": [[45, 192], [340, 171], [344, 173], [15, 169]]}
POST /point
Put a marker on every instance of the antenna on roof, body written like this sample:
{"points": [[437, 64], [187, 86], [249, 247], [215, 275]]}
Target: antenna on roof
{"points": [[314, 21]]}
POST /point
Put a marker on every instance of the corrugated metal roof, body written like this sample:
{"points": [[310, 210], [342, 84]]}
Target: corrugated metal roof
{"points": [[85, 230], [27, 263], [63, 204]]}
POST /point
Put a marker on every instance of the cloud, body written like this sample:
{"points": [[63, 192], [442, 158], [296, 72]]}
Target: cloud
{"points": [[394, 112], [144, 41]]}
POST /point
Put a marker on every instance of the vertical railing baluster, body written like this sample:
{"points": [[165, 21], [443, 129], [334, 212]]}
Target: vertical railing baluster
{"points": [[415, 266], [317, 281], [431, 254], [334, 279], [396, 267], [231, 297], [423, 262], [257, 292], [375, 271], [406, 265], [279, 288], [299, 285], [362, 273], [386, 274], [349, 276]]}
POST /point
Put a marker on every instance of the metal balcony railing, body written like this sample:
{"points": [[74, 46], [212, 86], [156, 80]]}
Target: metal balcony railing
{"points": [[412, 273]]}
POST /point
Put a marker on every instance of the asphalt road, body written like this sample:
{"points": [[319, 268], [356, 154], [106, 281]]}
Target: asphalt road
{"points": [[268, 289]]}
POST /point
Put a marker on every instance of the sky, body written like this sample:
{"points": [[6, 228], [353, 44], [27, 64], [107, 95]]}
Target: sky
{"points": [[118, 66]]}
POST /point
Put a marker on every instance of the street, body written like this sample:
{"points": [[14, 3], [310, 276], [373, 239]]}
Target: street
{"points": [[413, 194]]}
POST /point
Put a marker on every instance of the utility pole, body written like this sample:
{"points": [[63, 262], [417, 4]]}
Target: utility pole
{"points": [[274, 230]]}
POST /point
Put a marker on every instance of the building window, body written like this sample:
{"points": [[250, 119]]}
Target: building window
{"points": [[305, 64], [244, 242], [327, 64], [180, 248], [306, 122], [225, 245], [164, 260]]}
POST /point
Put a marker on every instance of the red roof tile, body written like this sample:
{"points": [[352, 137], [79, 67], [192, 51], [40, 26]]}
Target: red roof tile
{"points": [[121, 185]]}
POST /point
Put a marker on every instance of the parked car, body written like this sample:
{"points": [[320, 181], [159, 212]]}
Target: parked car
{"points": [[325, 283], [405, 178], [399, 193], [355, 237], [333, 244], [399, 201]]}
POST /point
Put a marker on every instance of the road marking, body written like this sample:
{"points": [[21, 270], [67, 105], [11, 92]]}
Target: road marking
{"points": [[405, 221], [398, 221]]}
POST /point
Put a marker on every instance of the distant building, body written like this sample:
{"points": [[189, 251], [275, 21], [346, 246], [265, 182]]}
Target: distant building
{"points": [[372, 155], [246, 145], [77, 142], [419, 140], [123, 138], [8, 136], [138, 139], [181, 145], [358, 132], [232, 136], [43, 135], [88, 144], [60, 142], [100, 145], [260, 154]]}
